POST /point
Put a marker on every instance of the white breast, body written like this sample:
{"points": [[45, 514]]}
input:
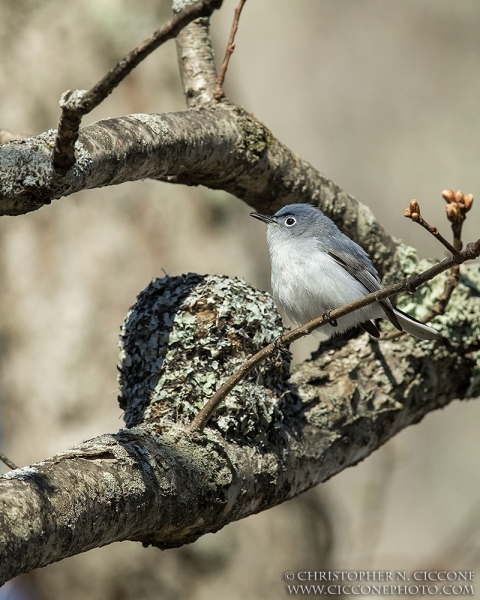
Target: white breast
{"points": [[307, 283]]}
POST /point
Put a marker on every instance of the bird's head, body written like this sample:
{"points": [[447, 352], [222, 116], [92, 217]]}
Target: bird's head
{"points": [[293, 221]]}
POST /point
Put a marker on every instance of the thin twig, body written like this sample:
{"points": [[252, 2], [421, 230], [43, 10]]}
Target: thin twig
{"points": [[413, 213], [457, 207], [7, 461], [75, 104], [410, 284], [218, 91]]}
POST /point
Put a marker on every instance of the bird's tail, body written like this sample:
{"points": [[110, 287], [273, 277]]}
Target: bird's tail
{"points": [[416, 328]]}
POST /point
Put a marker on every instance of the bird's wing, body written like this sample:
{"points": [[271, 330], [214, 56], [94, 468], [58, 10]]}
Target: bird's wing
{"points": [[367, 278]]}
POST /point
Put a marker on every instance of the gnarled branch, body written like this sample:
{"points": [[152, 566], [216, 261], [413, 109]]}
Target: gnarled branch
{"points": [[276, 438], [77, 103]]}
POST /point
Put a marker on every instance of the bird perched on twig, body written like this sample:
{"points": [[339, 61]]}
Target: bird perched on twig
{"points": [[316, 268]]}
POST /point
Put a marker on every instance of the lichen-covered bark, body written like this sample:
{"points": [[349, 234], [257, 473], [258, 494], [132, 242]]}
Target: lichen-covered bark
{"points": [[275, 436], [222, 148], [155, 484], [171, 335]]}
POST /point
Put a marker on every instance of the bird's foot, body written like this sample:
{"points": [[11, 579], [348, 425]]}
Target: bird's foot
{"points": [[332, 322], [276, 340]]}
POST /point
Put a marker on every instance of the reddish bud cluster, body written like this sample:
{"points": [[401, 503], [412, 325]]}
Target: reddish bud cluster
{"points": [[413, 211], [458, 204]]}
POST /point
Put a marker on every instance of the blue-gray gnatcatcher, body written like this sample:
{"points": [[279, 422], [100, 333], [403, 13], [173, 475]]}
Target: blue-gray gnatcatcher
{"points": [[316, 268]]}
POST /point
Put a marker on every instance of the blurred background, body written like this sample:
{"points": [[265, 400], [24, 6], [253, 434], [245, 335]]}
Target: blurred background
{"points": [[383, 98]]}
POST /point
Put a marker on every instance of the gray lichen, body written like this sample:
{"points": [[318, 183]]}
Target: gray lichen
{"points": [[38, 160], [459, 324], [184, 337], [464, 305], [254, 139], [27, 175]]}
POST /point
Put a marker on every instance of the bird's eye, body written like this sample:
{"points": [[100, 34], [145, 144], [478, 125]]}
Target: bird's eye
{"points": [[290, 221]]}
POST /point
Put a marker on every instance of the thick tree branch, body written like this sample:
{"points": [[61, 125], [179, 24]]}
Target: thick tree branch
{"points": [[222, 148], [196, 60], [275, 439]]}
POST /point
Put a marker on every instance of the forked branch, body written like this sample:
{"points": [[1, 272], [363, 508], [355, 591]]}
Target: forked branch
{"points": [[77, 103], [457, 207]]}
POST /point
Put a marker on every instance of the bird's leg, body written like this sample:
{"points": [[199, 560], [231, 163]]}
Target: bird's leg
{"points": [[332, 322]]}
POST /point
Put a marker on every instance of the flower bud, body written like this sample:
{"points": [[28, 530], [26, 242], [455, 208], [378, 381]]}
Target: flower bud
{"points": [[453, 212], [449, 195], [414, 207], [468, 202]]}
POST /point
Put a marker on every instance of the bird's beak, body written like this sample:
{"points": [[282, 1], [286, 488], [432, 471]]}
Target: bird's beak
{"points": [[264, 218]]}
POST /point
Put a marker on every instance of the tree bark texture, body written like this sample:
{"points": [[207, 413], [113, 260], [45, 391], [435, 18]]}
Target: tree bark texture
{"points": [[274, 438], [222, 148], [276, 435]]}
